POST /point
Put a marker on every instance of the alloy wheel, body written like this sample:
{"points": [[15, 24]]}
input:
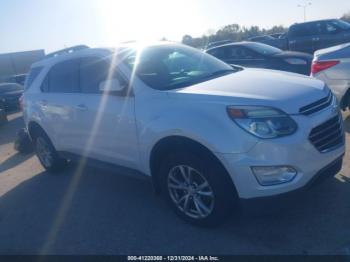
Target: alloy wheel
{"points": [[191, 192]]}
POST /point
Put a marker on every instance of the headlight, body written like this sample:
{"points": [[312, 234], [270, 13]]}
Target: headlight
{"points": [[295, 61], [263, 122]]}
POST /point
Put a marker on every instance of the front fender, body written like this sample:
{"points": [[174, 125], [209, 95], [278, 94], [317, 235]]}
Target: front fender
{"points": [[209, 126]]}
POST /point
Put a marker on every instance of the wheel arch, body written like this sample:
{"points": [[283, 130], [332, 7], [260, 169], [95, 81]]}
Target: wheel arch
{"points": [[34, 129], [169, 144], [345, 102]]}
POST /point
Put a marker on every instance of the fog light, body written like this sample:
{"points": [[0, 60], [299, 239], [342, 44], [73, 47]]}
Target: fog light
{"points": [[274, 175]]}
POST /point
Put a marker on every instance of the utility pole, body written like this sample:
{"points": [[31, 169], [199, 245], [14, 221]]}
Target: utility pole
{"points": [[304, 6]]}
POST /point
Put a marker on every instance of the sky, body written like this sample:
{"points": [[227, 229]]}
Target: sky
{"points": [[52, 25]]}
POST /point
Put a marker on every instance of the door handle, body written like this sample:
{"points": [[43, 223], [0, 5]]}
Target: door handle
{"points": [[316, 39], [81, 107]]}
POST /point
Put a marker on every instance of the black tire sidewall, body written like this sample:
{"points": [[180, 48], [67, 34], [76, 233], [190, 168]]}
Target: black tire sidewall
{"points": [[57, 163]]}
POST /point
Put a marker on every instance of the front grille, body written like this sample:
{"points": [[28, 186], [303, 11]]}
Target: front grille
{"points": [[317, 106], [328, 135]]}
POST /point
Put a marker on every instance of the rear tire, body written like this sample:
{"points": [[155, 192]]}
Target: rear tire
{"points": [[47, 154], [198, 188]]}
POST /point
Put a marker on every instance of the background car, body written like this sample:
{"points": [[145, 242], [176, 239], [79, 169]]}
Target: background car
{"points": [[311, 36], [270, 40], [218, 43], [278, 35], [19, 79], [10, 94], [258, 55], [332, 65]]}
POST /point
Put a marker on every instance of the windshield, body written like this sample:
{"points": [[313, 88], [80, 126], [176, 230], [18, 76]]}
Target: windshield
{"points": [[263, 49], [342, 24], [173, 66]]}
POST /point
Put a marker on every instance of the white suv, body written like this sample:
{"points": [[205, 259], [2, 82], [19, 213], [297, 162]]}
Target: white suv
{"points": [[206, 133]]}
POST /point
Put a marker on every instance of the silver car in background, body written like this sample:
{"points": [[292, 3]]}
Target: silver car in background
{"points": [[332, 65]]}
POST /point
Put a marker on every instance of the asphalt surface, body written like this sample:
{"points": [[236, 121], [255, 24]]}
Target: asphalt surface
{"points": [[101, 212]]}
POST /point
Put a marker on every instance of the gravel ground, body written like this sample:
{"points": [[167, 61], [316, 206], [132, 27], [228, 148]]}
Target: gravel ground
{"points": [[103, 213]]}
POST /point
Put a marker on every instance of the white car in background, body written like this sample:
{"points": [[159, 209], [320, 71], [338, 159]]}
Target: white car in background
{"points": [[332, 65], [207, 134]]}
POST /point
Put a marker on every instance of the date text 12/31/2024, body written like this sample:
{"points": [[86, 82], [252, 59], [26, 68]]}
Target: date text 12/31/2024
{"points": [[173, 258]]}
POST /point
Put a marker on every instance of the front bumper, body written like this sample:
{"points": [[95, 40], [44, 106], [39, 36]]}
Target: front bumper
{"points": [[295, 151]]}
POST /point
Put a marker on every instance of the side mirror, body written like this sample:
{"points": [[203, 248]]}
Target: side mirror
{"points": [[111, 86]]}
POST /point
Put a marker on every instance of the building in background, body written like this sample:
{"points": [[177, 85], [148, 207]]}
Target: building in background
{"points": [[14, 66]]}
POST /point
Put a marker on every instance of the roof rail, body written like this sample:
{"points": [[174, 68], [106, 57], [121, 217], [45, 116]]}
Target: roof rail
{"points": [[67, 51]]}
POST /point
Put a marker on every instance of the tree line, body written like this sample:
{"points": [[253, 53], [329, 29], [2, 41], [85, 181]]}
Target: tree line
{"points": [[235, 32]]}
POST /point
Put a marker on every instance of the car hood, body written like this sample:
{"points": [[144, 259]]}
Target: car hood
{"points": [[286, 91], [291, 54]]}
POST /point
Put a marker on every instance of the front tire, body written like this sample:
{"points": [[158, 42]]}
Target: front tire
{"points": [[48, 155], [198, 188]]}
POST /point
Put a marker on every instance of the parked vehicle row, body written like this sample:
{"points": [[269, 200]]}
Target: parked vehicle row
{"points": [[257, 55], [206, 134], [331, 65], [310, 36]]}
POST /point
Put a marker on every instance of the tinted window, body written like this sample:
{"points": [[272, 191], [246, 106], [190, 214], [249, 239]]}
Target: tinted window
{"points": [[330, 28], [263, 49], [64, 77], [239, 52], [335, 26], [93, 71], [341, 24], [34, 72], [217, 52], [306, 29]]}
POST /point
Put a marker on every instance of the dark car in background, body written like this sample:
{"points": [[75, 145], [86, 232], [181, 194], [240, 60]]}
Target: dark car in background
{"points": [[258, 55], [311, 36], [19, 79], [270, 40], [10, 94], [218, 43]]}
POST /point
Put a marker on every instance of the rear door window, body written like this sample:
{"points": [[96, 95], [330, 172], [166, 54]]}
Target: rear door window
{"points": [[64, 77], [307, 29], [93, 71]]}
